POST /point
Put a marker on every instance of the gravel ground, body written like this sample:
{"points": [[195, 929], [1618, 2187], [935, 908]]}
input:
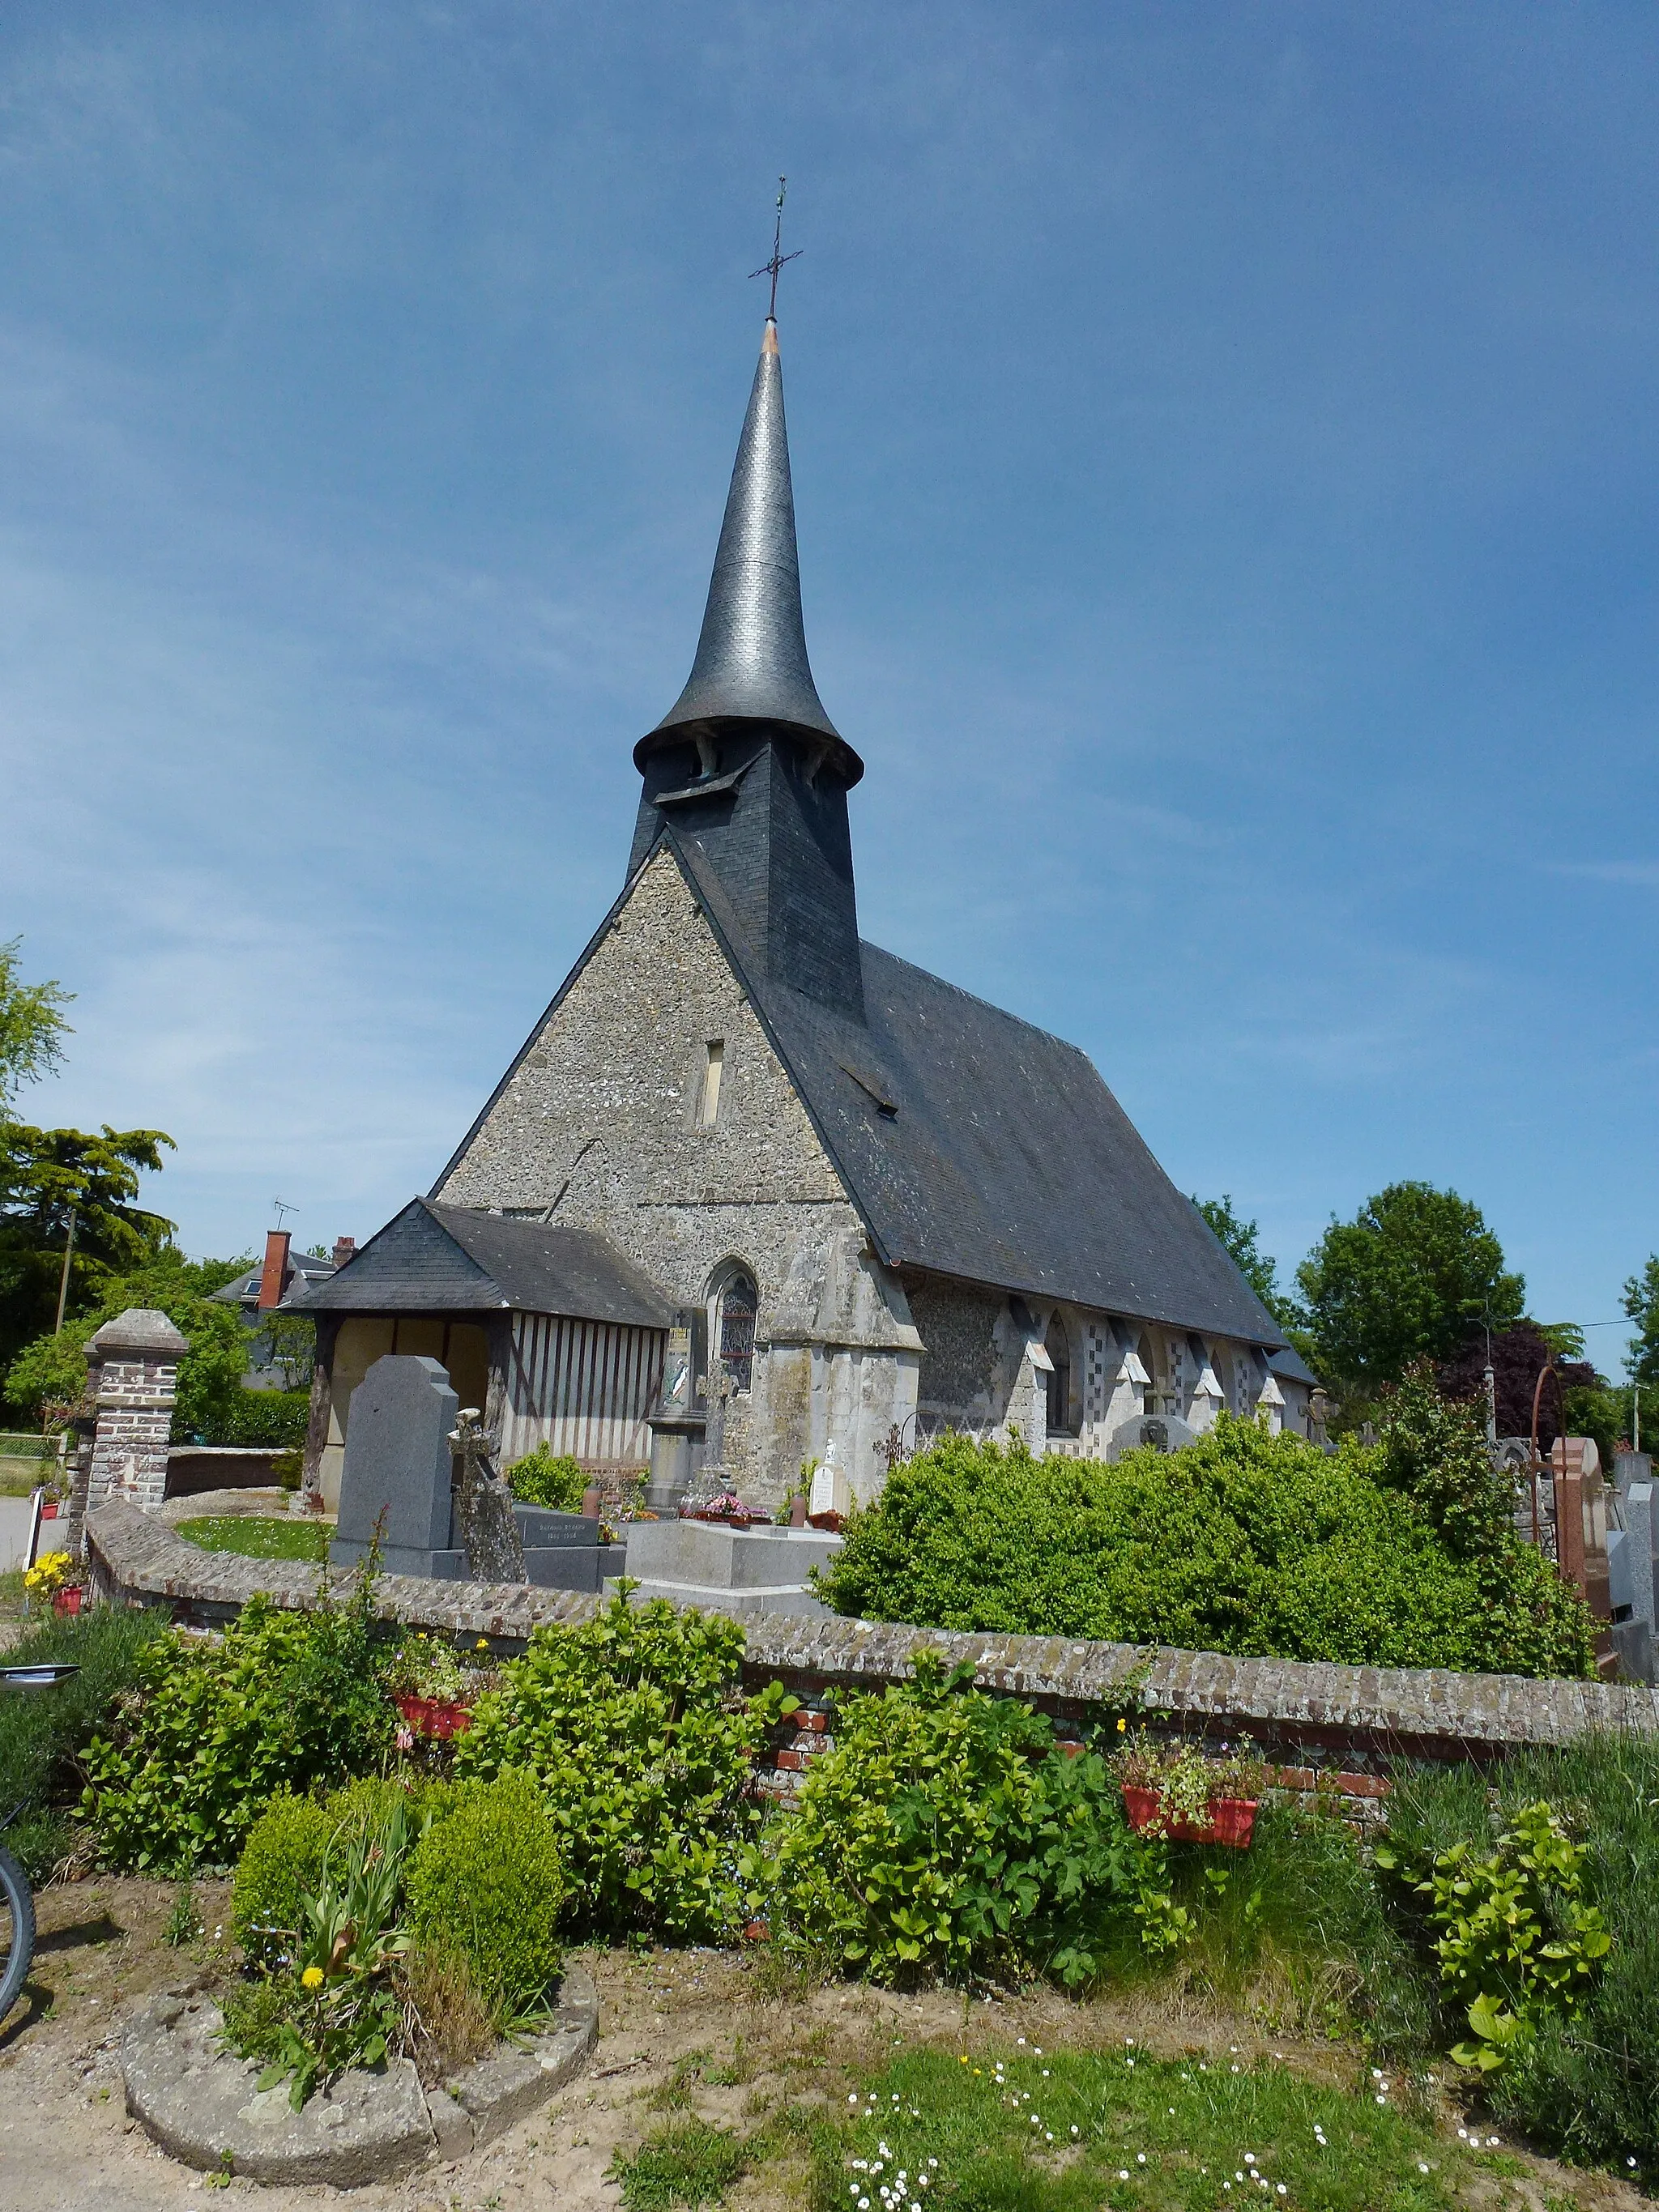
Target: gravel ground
{"points": [[67, 2146]]}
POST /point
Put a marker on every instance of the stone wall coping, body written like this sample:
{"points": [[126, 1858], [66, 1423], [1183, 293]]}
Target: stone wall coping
{"points": [[1403, 1710], [141, 1329]]}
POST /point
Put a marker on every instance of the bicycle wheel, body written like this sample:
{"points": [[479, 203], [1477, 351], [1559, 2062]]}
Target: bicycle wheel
{"points": [[16, 1931]]}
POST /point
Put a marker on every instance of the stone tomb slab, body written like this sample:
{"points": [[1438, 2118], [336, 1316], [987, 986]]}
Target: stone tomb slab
{"points": [[397, 1463], [724, 1570]]}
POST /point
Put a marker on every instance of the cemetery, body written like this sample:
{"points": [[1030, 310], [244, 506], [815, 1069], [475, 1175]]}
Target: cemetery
{"points": [[402, 1754]]}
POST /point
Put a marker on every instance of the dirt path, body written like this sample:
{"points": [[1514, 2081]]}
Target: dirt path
{"points": [[67, 2146]]}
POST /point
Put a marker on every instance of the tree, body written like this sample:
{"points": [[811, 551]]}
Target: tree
{"points": [[1402, 1281], [1642, 1304], [45, 1176], [1239, 1237], [31, 1028], [51, 1372], [1518, 1356]]}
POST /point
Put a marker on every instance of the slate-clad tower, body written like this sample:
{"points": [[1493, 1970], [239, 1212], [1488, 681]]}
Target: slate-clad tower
{"points": [[746, 763]]}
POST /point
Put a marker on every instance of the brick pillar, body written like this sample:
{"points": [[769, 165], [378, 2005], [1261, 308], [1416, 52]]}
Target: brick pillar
{"points": [[132, 1383]]}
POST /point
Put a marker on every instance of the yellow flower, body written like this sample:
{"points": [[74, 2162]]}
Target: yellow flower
{"points": [[312, 1977], [483, 1643], [1121, 1726]]}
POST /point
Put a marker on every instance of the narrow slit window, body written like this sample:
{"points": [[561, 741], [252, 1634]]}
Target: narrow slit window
{"points": [[708, 1106]]}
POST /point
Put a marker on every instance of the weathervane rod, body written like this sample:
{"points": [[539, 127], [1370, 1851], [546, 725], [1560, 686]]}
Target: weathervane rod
{"points": [[779, 260]]}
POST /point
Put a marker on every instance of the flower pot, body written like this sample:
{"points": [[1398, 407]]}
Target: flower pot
{"points": [[68, 1601], [442, 1717], [1229, 1820], [49, 1511]]}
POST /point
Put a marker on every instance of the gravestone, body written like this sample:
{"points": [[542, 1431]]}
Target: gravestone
{"points": [[397, 1464], [483, 1507]]}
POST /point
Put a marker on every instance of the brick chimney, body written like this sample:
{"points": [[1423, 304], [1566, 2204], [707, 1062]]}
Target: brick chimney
{"points": [[343, 1248], [273, 1280]]}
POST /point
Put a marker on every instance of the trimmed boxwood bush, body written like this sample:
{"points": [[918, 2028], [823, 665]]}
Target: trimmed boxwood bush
{"points": [[1242, 1542], [488, 1880]]}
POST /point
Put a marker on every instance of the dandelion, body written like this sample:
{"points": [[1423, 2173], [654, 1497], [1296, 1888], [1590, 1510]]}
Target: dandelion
{"points": [[483, 1644], [312, 1978], [1121, 1726]]}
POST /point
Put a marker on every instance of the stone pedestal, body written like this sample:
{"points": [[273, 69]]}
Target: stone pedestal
{"points": [[730, 1570], [133, 1384], [677, 1453]]}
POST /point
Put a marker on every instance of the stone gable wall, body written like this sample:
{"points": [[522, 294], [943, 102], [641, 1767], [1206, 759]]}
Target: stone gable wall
{"points": [[600, 1124]]}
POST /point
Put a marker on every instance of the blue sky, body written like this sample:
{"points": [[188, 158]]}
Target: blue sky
{"points": [[1225, 455]]}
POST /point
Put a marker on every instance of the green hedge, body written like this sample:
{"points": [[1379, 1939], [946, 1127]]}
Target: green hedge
{"points": [[1242, 1542]]}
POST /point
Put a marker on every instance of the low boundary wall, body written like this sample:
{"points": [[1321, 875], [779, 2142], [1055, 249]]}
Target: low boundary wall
{"points": [[1341, 1728]]}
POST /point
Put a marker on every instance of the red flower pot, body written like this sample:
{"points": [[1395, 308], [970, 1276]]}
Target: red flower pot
{"points": [[49, 1509], [442, 1717], [1230, 1820], [68, 1601]]}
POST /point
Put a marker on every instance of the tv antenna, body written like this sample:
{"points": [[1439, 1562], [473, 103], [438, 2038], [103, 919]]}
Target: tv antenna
{"points": [[283, 1207]]}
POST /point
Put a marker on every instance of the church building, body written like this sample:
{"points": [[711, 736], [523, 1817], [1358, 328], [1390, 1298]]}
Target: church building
{"points": [[755, 1193]]}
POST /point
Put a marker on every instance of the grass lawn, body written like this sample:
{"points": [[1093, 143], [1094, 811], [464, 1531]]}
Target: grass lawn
{"points": [[1020, 2129], [259, 1536], [18, 1477]]}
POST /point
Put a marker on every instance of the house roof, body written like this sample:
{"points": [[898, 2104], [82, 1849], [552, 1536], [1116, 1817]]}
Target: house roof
{"points": [[310, 1266], [448, 1259]]}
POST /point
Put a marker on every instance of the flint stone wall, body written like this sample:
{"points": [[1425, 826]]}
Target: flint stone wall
{"points": [[1338, 1722], [597, 1127]]}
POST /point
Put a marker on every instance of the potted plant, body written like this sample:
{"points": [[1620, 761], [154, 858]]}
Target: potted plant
{"points": [[728, 1508], [429, 1687], [1174, 1790], [53, 1576]]}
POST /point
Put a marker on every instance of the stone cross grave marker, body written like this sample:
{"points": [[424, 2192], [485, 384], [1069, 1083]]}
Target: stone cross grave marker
{"points": [[397, 1463]]}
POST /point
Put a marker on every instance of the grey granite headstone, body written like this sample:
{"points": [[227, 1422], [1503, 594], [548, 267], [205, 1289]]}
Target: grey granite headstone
{"points": [[397, 1464]]}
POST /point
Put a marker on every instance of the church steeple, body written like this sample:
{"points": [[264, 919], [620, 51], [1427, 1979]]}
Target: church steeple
{"points": [[751, 663], [746, 765]]}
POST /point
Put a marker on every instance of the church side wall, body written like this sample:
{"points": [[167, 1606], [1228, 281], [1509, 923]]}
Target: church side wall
{"points": [[977, 1374], [598, 1129]]}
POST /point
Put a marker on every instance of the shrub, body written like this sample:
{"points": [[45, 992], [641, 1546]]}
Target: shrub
{"points": [[543, 1478], [634, 1727], [41, 1729], [1242, 1542], [945, 1833], [276, 1419], [213, 1731], [488, 1880], [285, 1855]]}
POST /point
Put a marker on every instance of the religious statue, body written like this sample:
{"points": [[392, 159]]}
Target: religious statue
{"points": [[485, 1522]]}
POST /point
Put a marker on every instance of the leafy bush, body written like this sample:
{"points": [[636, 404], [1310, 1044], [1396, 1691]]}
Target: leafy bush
{"points": [[41, 1730], [1242, 1542], [488, 1880], [634, 1729], [285, 1857], [543, 1478], [213, 1731], [945, 1833], [1584, 2082], [274, 1419]]}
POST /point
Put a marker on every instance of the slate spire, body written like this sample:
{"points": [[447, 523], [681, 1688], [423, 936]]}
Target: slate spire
{"points": [[751, 663]]}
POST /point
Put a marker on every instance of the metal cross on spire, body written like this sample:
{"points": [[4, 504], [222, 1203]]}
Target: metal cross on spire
{"points": [[771, 268]]}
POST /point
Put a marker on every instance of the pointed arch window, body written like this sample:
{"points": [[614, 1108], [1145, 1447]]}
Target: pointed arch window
{"points": [[738, 1305], [1057, 1343]]}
